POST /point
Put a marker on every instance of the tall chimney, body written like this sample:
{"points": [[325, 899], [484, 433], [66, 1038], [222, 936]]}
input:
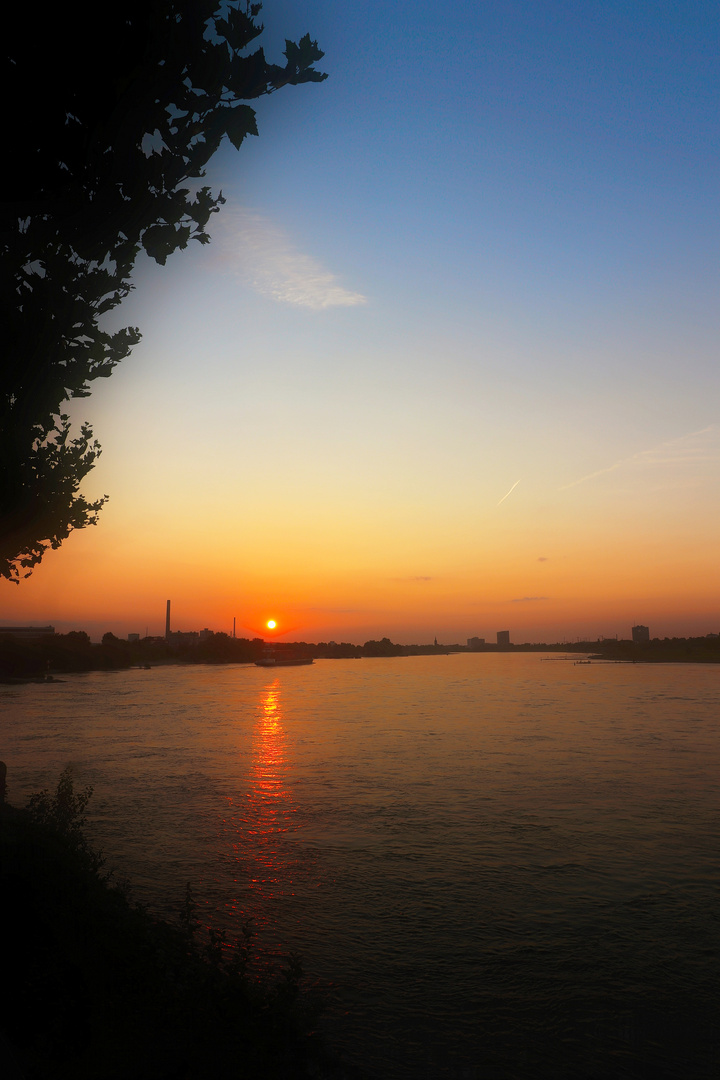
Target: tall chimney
{"points": [[233, 626], [167, 622]]}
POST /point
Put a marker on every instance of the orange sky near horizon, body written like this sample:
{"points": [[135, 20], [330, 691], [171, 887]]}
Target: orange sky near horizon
{"points": [[548, 566]]}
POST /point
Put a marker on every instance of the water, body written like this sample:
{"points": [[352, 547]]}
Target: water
{"points": [[495, 865]]}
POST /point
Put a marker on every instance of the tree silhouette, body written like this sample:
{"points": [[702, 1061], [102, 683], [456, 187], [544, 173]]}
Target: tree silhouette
{"points": [[110, 111]]}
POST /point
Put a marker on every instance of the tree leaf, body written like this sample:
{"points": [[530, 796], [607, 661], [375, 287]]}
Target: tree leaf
{"points": [[239, 122]]}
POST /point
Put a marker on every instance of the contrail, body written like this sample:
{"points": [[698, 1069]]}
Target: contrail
{"points": [[509, 492], [680, 451]]}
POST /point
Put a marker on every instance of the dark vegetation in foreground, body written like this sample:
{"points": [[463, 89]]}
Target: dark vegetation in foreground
{"points": [[53, 654], [98, 989]]}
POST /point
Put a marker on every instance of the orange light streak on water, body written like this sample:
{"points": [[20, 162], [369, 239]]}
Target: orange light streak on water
{"points": [[269, 799]]}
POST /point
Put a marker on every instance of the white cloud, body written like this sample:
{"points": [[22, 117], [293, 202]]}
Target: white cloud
{"points": [[694, 450], [265, 258]]}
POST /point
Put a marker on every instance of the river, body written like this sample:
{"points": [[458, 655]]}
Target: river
{"points": [[493, 865]]}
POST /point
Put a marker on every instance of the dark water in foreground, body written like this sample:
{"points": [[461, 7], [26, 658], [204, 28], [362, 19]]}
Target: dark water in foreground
{"points": [[505, 866]]}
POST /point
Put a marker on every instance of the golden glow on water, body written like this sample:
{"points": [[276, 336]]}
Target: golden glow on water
{"points": [[268, 746], [268, 795]]}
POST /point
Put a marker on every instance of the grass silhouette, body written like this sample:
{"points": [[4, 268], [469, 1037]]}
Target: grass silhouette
{"points": [[99, 989]]}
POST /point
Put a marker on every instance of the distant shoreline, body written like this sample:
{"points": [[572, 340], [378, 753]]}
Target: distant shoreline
{"points": [[45, 660]]}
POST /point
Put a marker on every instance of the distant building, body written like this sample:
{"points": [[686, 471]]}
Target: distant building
{"points": [[503, 637], [640, 633], [133, 637], [27, 632], [181, 637], [475, 642], [204, 634]]}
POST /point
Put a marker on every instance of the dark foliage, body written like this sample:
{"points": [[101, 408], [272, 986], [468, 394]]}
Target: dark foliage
{"points": [[384, 647], [340, 650], [703, 650], [112, 114], [54, 655], [64, 813], [60, 653], [101, 990]]}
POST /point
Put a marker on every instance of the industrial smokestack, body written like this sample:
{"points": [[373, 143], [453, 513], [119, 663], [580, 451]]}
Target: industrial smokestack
{"points": [[167, 622]]}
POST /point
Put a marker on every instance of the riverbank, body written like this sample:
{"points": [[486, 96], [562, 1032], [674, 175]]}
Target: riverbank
{"points": [[102, 990]]}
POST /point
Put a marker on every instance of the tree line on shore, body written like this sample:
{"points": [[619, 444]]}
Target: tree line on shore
{"points": [[50, 654], [46, 656]]}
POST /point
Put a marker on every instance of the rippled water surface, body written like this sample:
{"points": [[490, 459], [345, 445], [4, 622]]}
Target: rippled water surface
{"points": [[504, 865]]}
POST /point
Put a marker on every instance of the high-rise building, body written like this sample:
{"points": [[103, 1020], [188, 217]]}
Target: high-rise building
{"points": [[640, 633], [475, 642], [503, 637]]}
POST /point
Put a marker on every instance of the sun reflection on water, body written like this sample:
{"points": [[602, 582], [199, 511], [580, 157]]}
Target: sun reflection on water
{"points": [[263, 860], [269, 805], [269, 768]]}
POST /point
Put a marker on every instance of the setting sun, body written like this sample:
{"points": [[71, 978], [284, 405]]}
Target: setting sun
{"points": [[271, 624]]}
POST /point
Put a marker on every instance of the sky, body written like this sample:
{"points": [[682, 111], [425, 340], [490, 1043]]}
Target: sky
{"points": [[449, 364]]}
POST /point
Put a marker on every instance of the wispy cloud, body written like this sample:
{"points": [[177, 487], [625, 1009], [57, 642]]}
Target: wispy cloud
{"points": [[542, 558], [323, 609], [266, 259], [528, 599], [691, 450], [415, 579]]}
